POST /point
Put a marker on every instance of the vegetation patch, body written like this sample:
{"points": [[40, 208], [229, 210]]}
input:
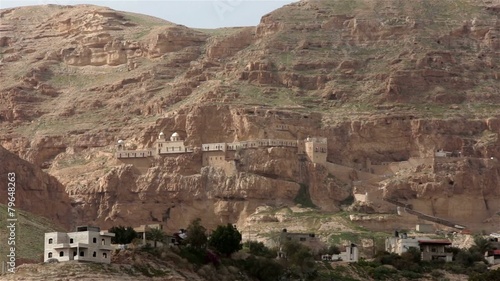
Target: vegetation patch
{"points": [[303, 197]]}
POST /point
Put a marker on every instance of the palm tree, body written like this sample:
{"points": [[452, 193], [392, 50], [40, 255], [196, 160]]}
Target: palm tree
{"points": [[156, 235]]}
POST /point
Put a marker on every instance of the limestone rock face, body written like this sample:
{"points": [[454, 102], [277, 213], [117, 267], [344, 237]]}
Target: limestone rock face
{"points": [[35, 191]]}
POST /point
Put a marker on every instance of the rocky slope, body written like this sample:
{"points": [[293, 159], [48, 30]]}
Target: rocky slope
{"points": [[34, 191], [385, 82]]}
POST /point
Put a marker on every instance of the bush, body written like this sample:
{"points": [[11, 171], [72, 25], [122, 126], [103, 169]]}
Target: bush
{"points": [[196, 235], [263, 269], [493, 275], [383, 273], [195, 256], [123, 235], [259, 249], [225, 239]]}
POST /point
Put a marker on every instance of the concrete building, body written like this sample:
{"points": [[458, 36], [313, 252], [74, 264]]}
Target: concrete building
{"points": [[434, 249], [430, 249], [351, 253], [307, 239], [87, 243]]}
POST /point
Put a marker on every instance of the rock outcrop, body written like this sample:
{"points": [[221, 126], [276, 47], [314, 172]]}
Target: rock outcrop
{"points": [[35, 191]]}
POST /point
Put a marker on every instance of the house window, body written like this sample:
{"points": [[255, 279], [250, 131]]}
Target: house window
{"points": [[82, 254], [105, 255], [103, 242], [71, 240], [94, 254], [50, 255], [433, 250], [61, 254], [94, 240], [51, 240]]}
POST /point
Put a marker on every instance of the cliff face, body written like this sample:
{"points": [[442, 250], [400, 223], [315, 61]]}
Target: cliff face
{"points": [[35, 191], [387, 83]]}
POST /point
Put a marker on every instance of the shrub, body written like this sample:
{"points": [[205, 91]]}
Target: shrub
{"points": [[263, 269], [493, 275], [123, 235], [196, 235], [226, 239], [259, 249]]}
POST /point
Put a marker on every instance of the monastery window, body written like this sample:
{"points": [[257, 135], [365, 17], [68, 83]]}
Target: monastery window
{"points": [[74, 254], [61, 254], [103, 242], [71, 240], [94, 254], [82, 254], [105, 255], [94, 240], [51, 240], [49, 255], [159, 151]]}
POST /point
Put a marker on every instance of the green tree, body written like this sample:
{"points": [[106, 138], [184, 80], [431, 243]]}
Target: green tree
{"points": [[155, 235], [259, 249], [196, 235], [481, 245], [226, 239], [123, 235], [300, 261]]}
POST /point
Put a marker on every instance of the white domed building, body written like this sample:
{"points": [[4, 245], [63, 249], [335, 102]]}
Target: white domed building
{"points": [[174, 145]]}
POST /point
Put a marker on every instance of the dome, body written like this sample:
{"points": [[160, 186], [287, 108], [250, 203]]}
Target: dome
{"points": [[120, 141], [175, 134], [161, 136]]}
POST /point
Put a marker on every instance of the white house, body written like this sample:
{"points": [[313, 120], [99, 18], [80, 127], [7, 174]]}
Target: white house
{"points": [[87, 243]]}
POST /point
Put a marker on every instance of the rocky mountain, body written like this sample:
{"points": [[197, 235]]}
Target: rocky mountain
{"points": [[388, 83]]}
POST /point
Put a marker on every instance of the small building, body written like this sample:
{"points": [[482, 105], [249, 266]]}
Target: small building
{"points": [[351, 254], [430, 249], [434, 249], [87, 243], [400, 243], [493, 257], [143, 229], [307, 239]]}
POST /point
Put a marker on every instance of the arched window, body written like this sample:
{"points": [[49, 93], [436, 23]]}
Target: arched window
{"points": [[103, 242], [71, 241], [50, 255], [51, 240], [94, 240], [94, 254], [61, 254], [105, 255]]}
